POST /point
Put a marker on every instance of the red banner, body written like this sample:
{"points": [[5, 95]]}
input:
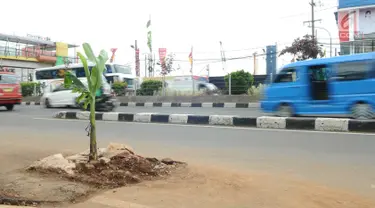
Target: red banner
{"points": [[137, 64], [162, 56]]}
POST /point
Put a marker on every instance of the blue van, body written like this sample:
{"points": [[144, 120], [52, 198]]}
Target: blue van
{"points": [[343, 85]]}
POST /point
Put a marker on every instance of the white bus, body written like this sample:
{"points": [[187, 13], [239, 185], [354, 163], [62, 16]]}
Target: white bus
{"points": [[51, 75]]}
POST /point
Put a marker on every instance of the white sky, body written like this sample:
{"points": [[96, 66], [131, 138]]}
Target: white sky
{"points": [[177, 25]]}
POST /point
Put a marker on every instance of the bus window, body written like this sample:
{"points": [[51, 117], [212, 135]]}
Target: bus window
{"points": [[351, 71], [286, 75], [122, 69]]}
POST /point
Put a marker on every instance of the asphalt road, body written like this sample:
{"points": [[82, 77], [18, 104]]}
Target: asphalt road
{"points": [[342, 160]]}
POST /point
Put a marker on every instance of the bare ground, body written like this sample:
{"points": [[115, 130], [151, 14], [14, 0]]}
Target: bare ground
{"points": [[197, 186]]}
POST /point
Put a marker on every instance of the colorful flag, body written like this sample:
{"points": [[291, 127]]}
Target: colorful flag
{"points": [[191, 60], [149, 35], [113, 50]]}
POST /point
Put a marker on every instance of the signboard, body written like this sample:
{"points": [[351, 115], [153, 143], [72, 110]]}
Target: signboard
{"points": [[355, 3], [37, 37]]}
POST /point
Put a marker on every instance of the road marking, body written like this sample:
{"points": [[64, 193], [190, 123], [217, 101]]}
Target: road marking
{"points": [[210, 126]]}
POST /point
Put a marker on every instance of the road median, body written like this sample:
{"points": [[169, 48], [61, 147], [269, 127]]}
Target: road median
{"points": [[173, 105], [265, 122]]}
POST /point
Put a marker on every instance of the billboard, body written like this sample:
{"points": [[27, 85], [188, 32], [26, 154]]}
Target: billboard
{"points": [[367, 21], [355, 3]]}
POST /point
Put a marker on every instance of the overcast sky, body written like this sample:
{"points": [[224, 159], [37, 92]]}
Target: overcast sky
{"points": [[177, 25]]}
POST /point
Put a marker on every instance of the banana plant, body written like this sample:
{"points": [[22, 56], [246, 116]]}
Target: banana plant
{"points": [[88, 93]]}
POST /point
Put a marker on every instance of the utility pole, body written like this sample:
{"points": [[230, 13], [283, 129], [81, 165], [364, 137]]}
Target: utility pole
{"points": [[224, 62], [255, 63], [313, 20]]}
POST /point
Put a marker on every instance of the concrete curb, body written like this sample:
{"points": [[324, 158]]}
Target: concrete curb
{"points": [[193, 105], [267, 122], [30, 103]]}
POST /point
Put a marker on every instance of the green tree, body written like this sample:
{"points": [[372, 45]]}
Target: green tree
{"points": [[241, 81], [89, 92], [303, 49]]}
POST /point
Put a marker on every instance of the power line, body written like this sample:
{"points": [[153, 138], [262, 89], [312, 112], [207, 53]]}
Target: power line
{"points": [[300, 14]]}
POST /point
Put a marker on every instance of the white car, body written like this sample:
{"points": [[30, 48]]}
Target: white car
{"points": [[63, 97]]}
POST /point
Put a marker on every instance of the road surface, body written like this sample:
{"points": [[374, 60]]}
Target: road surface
{"points": [[342, 160]]}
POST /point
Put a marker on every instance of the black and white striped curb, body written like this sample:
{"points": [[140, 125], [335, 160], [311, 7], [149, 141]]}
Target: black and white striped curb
{"points": [[202, 105], [30, 103], [317, 124]]}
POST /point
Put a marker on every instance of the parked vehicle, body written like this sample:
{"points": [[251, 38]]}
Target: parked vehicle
{"points": [[10, 90], [343, 85], [63, 97]]}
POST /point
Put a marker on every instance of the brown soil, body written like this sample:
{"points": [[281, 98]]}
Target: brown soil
{"points": [[123, 169], [39, 186]]}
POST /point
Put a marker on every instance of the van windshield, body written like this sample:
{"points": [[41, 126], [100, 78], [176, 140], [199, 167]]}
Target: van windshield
{"points": [[8, 79]]}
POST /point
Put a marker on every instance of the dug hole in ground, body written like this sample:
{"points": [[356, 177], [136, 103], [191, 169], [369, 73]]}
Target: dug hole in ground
{"points": [[121, 178]]}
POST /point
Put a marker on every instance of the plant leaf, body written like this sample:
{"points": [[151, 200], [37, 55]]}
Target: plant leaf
{"points": [[90, 53], [95, 79], [85, 67]]}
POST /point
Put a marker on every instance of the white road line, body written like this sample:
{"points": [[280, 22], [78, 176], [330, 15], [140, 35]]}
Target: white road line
{"points": [[214, 127]]}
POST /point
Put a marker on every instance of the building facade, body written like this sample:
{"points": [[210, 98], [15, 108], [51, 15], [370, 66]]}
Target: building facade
{"points": [[22, 54], [356, 25]]}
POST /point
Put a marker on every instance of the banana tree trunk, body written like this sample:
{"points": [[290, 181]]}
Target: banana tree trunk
{"points": [[93, 147]]}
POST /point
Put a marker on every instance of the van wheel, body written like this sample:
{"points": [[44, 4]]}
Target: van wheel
{"points": [[362, 111], [284, 110], [9, 107]]}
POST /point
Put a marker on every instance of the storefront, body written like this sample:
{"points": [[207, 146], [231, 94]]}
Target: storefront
{"points": [[356, 24]]}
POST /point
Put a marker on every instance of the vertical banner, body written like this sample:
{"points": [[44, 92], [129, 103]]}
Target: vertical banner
{"points": [[162, 56], [137, 64]]}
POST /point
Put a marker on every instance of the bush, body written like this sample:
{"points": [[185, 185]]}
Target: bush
{"points": [[149, 87], [28, 88], [119, 88], [257, 92], [240, 83]]}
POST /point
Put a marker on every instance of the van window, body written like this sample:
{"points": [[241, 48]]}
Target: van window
{"points": [[351, 71], [287, 75], [319, 73]]}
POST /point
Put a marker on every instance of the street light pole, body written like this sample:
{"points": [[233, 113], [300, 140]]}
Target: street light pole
{"points": [[330, 39]]}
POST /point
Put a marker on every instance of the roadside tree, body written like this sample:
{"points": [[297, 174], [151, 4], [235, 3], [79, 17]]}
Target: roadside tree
{"points": [[304, 48]]}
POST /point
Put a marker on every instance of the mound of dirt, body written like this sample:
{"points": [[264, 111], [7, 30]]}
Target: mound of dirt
{"points": [[74, 177], [122, 169]]}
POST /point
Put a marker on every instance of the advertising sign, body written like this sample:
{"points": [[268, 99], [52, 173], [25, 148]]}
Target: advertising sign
{"points": [[367, 21], [348, 26]]}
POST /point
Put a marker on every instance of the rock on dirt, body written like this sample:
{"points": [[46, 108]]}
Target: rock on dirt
{"points": [[55, 163]]}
